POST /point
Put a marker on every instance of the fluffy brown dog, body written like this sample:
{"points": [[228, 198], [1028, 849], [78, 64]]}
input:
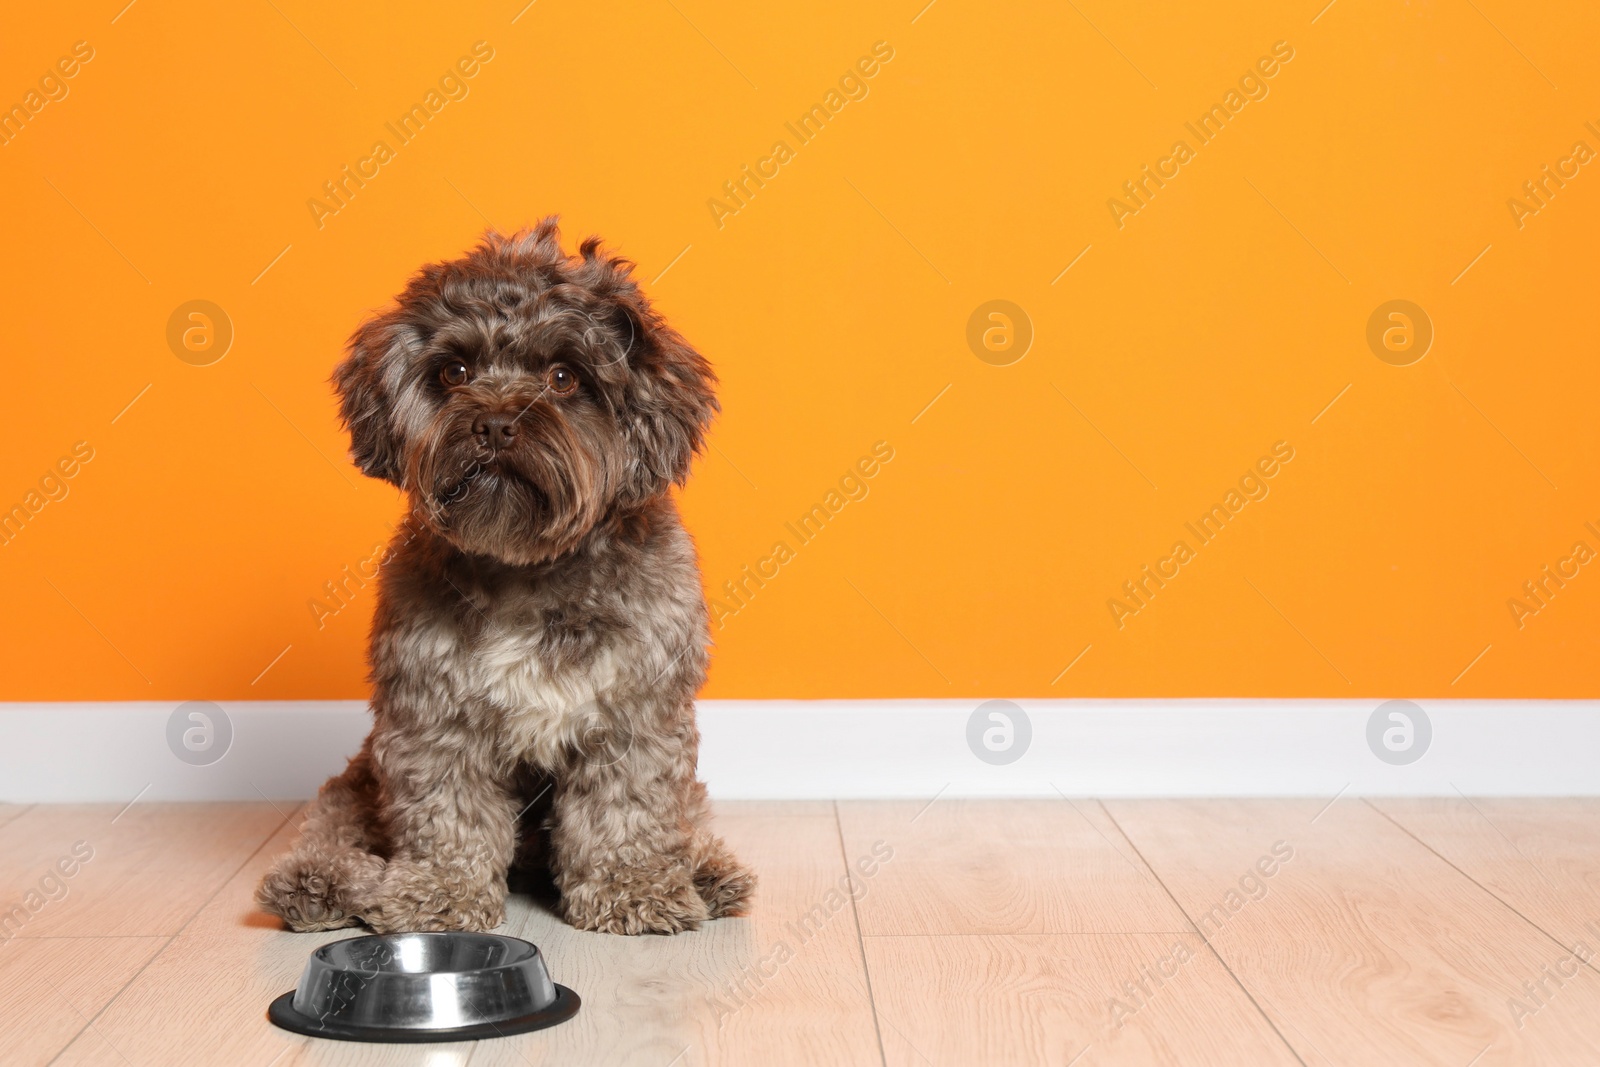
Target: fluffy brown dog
{"points": [[540, 623]]}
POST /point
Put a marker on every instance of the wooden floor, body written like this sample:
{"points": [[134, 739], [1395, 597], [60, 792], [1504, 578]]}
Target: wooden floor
{"points": [[1366, 932]]}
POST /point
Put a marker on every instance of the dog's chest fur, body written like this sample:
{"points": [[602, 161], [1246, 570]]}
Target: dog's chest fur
{"points": [[546, 703], [537, 667]]}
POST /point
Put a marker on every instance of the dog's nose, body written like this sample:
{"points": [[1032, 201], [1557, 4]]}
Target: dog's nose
{"points": [[497, 430]]}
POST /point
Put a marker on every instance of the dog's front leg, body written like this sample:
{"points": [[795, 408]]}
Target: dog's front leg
{"points": [[622, 844], [451, 823], [325, 880]]}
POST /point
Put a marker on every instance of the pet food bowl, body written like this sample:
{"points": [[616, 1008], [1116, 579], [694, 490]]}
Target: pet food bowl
{"points": [[424, 987]]}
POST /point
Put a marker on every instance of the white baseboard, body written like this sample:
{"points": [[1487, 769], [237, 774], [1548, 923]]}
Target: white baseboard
{"points": [[782, 749]]}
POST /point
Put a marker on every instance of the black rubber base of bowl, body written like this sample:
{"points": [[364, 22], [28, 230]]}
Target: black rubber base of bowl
{"points": [[281, 1012]]}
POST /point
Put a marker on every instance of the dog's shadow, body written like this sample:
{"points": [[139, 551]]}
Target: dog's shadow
{"points": [[535, 884], [529, 875]]}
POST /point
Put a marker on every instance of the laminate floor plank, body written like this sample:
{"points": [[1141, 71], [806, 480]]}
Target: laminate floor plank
{"points": [[139, 870], [1540, 855], [50, 987], [11, 811], [203, 998], [962, 866], [1092, 999], [1361, 945]]}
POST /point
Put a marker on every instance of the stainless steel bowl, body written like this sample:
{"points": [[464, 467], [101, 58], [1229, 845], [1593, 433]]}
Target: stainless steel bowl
{"points": [[424, 987]]}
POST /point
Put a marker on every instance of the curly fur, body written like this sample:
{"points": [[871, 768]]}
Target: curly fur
{"points": [[540, 621]]}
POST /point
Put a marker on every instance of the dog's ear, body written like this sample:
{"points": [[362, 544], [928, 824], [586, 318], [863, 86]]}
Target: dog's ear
{"points": [[365, 405], [671, 401], [670, 390]]}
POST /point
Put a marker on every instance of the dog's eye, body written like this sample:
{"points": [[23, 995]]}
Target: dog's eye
{"points": [[561, 380], [453, 373]]}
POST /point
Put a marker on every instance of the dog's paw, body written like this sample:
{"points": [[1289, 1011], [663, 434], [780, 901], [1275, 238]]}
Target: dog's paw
{"points": [[636, 902], [320, 892], [725, 884], [411, 900], [402, 917]]}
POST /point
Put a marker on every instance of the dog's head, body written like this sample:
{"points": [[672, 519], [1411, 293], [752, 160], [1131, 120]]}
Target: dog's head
{"points": [[519, 395]]}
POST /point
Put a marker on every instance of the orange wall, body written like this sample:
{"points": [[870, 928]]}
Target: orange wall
{"points": [[1188, 340]]}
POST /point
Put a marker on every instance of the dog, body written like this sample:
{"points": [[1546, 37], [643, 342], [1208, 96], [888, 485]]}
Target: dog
{"points": [[540, 629]]}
